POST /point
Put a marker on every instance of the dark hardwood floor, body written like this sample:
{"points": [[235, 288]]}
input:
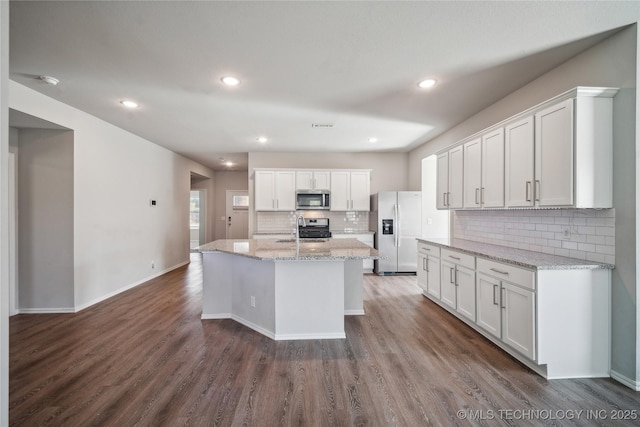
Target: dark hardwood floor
{"points": [[145, 358]]}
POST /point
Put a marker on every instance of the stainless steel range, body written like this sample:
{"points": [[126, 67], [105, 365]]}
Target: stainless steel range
{"points": [[314, 228]]}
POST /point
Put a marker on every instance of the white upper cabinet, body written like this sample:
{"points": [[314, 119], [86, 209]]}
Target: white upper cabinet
{"points": [[484, 171], [492, 190], [519, 160], [274, 190], [556, 154], [313, 180], [472, 173], [350, 190], [554, 168], [450, 179]]}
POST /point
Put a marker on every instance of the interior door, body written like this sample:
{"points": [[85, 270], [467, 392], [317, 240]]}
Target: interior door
{"points": [[237, 214]]}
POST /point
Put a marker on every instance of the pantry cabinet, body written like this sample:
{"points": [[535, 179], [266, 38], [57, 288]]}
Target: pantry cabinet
{"points": [[350, 190], [274, 190], [556, 154], [313, 180]]}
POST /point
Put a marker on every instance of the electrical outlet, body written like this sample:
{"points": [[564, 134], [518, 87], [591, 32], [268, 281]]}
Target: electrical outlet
{"points": [[566, 232], [253, 301], [429, 221], [153, 264]]}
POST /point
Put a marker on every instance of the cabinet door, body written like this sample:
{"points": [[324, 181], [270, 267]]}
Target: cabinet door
{"points": [[518, 163], [285, 190], [340, 185], [264, 191], [554, 155], [421, 273], [466, 286], [304, 180], [442, 186], [456, 178], [488, 295], [360, 191], [447, 283], [518, 321], [433, 276], [322, 180], [492, 191], [472, 173]]}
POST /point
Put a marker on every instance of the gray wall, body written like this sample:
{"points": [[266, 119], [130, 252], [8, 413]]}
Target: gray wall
{"points": [[613, 62], [45, 211]]}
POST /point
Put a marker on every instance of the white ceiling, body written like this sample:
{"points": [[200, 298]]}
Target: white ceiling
{"points": [[355, 65]]}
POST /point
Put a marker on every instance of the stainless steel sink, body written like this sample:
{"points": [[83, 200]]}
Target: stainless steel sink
{"points": [[313, 240], [285, 241]]}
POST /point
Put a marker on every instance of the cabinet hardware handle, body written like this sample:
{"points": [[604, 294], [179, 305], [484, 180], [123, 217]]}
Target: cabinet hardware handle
{"points": [[477, 189], [451, 256], [455, 277], [444, 199], [536, 191], [426, 264], [482, 196], [527, 191], [495, 287], [502, 300], [448, 201], [498, 271], [451, 275]]}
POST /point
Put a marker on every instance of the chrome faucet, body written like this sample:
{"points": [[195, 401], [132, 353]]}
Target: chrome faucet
{"points": [[299, 222]]}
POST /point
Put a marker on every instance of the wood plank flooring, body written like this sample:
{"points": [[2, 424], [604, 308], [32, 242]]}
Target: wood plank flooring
{"points": [[145, 358]]}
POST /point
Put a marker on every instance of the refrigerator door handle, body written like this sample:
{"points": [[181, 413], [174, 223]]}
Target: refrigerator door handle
{"points": [[398, 215], [397, 225]]}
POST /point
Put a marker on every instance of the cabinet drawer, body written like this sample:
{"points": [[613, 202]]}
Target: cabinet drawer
{"points": [[517, 275], [459, 258], [429, 249]]}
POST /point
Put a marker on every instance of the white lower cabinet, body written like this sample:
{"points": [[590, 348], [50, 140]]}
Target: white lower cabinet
{"points": [[555, 321], [429, 270], [507, 312], [458, 283]]}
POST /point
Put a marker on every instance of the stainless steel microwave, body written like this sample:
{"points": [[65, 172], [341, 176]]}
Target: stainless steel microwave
{"points": [[312, 199]]}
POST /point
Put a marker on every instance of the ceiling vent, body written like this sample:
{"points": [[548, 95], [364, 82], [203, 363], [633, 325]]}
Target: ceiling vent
{"points": [[322, 125]]}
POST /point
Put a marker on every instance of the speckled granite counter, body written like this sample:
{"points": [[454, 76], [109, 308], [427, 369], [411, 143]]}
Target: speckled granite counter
{"points": [[519, 257], [287, 249]]}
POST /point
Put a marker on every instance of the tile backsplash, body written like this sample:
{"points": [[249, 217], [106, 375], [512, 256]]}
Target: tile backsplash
{"points": [[284, 222], [577, 233]]}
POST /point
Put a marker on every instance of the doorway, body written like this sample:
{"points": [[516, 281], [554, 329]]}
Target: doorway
{"points": [[197, 215], [237, 217], [13, 245]]}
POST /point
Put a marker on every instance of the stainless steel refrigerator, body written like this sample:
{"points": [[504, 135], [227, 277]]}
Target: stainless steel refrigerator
{"points": [[396, 218]]}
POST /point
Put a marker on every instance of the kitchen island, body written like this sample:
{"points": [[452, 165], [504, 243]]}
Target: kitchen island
{"points": [[284, 289]]}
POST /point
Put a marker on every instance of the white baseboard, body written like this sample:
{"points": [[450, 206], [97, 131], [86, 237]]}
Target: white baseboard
{"points": [[632, 384], [357, 312], [59, 310], [48, 310]]}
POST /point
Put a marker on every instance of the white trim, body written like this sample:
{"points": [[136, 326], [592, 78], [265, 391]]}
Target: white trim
{"points": [[285, 337], [633, 385], [48, 310], [354, 312], [217, 316], [127, 287]]}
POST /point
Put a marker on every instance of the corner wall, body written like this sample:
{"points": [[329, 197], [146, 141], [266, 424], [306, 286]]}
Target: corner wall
{"points": [[613, 62], [117, 233]]}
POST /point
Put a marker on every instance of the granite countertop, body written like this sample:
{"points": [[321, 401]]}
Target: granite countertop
{"points": [[519, 257], [290, 232], [288, 250]]}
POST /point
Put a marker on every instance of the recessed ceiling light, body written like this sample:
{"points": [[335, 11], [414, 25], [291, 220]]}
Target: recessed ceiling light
{"points": [[427, 83], [49, 80], [261, 139], [373, 139], [230, 81], [129, 104], [229, 164]]}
